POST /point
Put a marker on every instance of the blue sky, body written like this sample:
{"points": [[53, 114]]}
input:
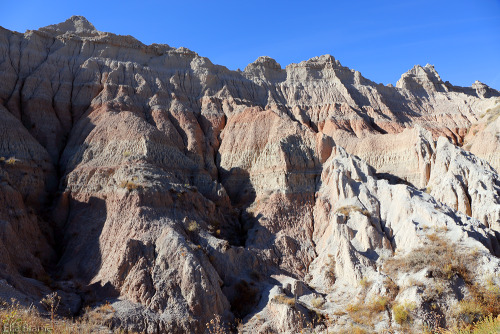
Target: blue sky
{"points": [[380, 38]]}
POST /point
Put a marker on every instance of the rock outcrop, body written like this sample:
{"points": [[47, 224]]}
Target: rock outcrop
{"points": [[466, 183], [178, 190], [483, 138]]}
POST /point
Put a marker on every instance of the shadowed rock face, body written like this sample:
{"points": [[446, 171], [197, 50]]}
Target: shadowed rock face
{"points": [[179, 190]]}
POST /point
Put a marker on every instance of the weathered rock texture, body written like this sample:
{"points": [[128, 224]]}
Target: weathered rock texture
{"points": [[483, 137], [178, 190]]}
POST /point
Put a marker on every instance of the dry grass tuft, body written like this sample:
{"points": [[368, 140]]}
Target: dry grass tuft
{"points": [[402, 313], [357, 330], [192, 226], [12, 161], [365, 283], [330, 269], [353, 330], [470, 311], [129, 185], [368, 314], [318, 302], [392, 289], [440, 257], [17, 319], [488, 325], [282, 299], [346, 210], [216, 326], [433, 237], [492, 114], [487, 296]]}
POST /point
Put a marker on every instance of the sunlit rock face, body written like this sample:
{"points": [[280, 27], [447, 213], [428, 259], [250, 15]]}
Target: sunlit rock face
{"points": [[178, 190]]}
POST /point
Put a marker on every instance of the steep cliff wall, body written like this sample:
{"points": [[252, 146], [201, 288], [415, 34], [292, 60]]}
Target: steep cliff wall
{"points": [[178, 189]]}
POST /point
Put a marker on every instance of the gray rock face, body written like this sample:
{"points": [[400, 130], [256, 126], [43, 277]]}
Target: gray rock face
{"points": [[74, 25], [179, 190]]}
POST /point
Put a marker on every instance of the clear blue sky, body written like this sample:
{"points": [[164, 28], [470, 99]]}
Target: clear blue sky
{"points": [[380, 38]]}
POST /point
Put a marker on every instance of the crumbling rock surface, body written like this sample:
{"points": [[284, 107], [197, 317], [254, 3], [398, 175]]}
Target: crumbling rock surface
{"points": [[483, 139], [466, 183], [179, 190]]}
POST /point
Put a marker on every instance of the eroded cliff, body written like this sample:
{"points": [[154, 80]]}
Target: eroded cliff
{"points": [[178, 190]]}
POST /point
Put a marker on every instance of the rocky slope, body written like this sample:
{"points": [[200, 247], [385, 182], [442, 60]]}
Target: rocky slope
{"points": [[178, 190]]}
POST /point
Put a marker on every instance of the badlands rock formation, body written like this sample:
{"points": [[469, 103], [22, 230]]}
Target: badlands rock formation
{"points": [[180, 191]]}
